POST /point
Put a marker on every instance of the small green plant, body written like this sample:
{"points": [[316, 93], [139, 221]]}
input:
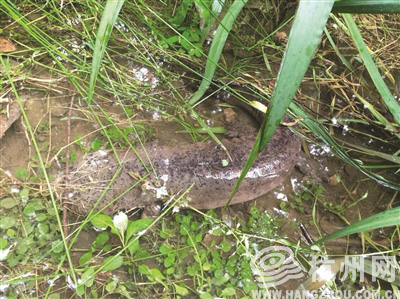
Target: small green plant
{"points": [[337, 209], [72, 156], [95, 145], [128, 233], [22, 174], [192, 36], [119, 137], [189, 246], [265, 224], [122, 137], [310, 192], [189, 40], [29, 230], [43, 128]]}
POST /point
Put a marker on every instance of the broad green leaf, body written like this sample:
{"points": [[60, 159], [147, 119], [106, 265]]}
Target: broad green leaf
{"points": [[54, 296], [383, 219], [367, 6], [24, 195], [95, 145], [180, 13], [22, 174], [102, 221], [225, 245], [165, 249], [32, 207], [111, 287], [102, 239], [136, 226], [169, 260], [41, 217], [221, 279], [43, 228], [80, 290], [206, 295], [11, 233], [57, 246], [157, 275], [144, 269], [113, 262], [181, 290], [7, 222], [133, 246], [227, 292], [87, 278], [3, 243], [206, 266], [85, 258], [8, 203]]}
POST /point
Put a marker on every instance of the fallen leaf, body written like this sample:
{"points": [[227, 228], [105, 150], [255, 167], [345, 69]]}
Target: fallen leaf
{"points": [[334, 180], [13, 112], [281, 35], [6, 46]]}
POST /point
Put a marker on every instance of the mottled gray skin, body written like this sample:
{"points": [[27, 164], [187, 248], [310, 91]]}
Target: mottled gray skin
{"points": [[178, 167]]}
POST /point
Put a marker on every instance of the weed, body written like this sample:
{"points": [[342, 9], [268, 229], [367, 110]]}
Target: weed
{"points": [[30, 235], [94, 146], [121, 137], [194, 247], [309, 193], [192, 36]]}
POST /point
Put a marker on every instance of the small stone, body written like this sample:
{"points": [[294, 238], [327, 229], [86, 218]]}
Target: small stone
{"points": [[230, 115]]}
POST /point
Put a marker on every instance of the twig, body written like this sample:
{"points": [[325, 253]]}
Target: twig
{"points": [[67, 157]]}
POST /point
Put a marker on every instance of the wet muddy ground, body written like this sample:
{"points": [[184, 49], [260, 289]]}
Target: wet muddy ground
{"points": [[48, 114]]}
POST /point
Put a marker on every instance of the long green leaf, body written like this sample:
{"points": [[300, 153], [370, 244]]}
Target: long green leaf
{"points": [[367, 6], [216, 48], [383, 219], [107, 22], [304, 38]]}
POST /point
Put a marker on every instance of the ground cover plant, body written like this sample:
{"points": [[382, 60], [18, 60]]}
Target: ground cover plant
{"points": [[118, 68]]}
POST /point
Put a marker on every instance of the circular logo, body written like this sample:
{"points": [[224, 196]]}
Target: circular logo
{"points": [[275, 265]]}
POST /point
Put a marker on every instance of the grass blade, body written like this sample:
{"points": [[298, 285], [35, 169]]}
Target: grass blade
{"points": [[383, 219], [376, 77], [216, 48], [323, 134], [107, 22], [6, 67]]}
